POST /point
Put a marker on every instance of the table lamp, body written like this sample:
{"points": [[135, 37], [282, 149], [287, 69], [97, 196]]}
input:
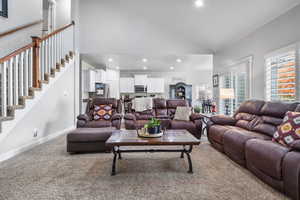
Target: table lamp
{"points": [[226, 94]]}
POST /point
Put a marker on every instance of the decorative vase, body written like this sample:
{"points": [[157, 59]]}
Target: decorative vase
{"points": [[154, 130], [151, 130]]}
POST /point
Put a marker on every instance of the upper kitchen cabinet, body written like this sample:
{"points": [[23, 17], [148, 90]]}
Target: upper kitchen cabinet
{"points": [[100, 76], [140, 80], [112, 75], [126, 85], [156, 85]]}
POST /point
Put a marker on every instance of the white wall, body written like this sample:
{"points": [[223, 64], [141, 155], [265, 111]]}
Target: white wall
{"points": [[279, 33], [63, 13], [20, 13], [196, 78], [52, 112]]}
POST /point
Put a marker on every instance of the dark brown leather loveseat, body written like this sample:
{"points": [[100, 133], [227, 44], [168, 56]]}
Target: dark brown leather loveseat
{"points": [[165, 110], [247, 139], [86, 120]]}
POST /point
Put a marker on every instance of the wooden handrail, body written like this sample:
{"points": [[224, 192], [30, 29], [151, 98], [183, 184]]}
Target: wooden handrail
{"points": [[36, 45], [57, 31], [20, 28], [16, 52]]}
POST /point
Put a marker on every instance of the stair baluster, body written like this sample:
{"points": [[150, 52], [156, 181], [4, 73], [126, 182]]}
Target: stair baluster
{"points": [[24, 70]]}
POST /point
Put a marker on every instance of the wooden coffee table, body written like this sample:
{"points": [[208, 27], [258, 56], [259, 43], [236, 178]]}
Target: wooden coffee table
{"points": [[182, 138]]}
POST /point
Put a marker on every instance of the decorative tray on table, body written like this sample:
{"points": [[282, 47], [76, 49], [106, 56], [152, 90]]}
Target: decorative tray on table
{"points": [[144, 134]]}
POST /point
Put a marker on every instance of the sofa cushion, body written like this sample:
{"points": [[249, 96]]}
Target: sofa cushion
{"points": [[234, 141], [272, 120], [144, 117], [265, 128], [98, 124], [248, 123], [289, 130], [251, 107], [267, 125], [244, 116], [159, 103], [216, 132], [277, 109], [266, 156], [90, 134], [223, 120]]}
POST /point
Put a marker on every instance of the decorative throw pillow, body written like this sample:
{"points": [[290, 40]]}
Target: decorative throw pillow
{"points": [[289, 130], [102, 112], [183, 113]]}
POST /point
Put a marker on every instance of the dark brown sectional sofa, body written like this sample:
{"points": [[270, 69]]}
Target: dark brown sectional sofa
{"points": [[164, 109], [247, 139]]}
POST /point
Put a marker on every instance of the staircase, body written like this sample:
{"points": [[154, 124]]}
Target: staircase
{"points": [[25, 70]]}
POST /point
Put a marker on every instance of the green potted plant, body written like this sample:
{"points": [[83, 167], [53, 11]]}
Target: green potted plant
{"points": [[153, 126], [197, 109]]}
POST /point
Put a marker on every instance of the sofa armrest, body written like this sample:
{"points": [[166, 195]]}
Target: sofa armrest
{"points": [[130, 116], [195, 117], [83, 117], [223, 120], [291, 174], [295, 145], [116, 116]]}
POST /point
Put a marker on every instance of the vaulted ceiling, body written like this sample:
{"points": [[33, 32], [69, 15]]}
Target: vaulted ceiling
{"points": [[171, 27]]}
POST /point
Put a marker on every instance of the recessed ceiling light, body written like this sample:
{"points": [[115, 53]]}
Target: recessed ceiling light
{"points": [[199, 3], [145, 60], [117, 67], [179, 60], [110, 60], [171, 68], [145, 68]]}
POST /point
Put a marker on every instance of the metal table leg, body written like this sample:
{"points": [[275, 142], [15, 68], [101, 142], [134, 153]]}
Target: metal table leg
{"points": [[117, 153], [187, 152], [113, 169]]}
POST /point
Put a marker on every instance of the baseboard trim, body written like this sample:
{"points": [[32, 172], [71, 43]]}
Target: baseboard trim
{"points": [[32, 144]]}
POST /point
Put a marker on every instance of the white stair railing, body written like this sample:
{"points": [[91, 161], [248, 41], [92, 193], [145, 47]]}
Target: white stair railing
{"points": [[28, 67]]}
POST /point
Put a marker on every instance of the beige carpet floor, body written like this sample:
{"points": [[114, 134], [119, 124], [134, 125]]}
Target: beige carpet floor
{"points": [[47, 172]]}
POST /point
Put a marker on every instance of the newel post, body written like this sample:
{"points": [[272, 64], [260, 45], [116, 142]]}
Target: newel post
{"points": [[36, 62]]}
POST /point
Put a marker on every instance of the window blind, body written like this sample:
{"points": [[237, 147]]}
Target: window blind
{"points": [[281, 76]]}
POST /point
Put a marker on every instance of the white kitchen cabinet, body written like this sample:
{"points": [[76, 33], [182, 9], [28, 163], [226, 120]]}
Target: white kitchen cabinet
{"points": [[100, 76], [112, 75], [140, 80], [156, 85], [89, 80], [126, 85], [113, 81]]}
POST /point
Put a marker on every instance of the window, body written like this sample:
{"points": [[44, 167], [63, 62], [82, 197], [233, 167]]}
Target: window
{"points": [[3, 8], [281, 75], [238, 78]]}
